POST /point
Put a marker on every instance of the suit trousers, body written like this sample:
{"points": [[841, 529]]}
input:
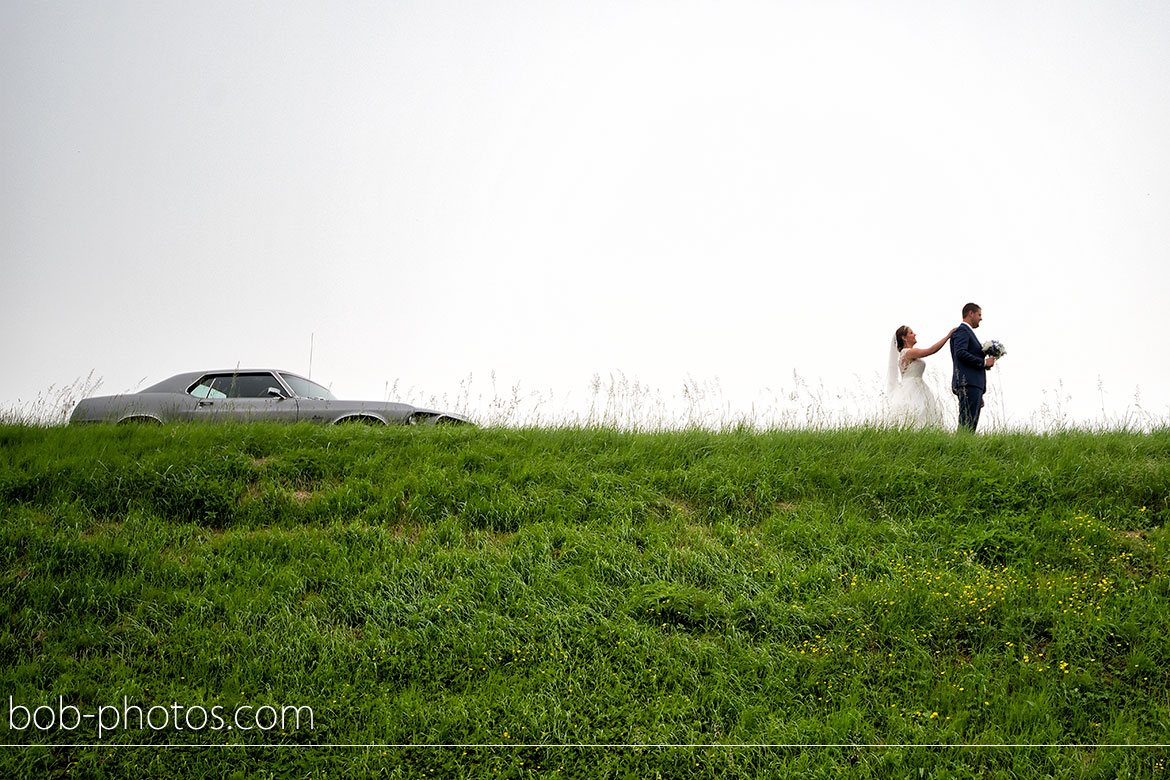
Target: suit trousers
{"points": [[970, 404]]}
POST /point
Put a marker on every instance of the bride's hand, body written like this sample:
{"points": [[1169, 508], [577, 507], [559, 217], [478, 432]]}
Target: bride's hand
{"points": [[951, 332]]}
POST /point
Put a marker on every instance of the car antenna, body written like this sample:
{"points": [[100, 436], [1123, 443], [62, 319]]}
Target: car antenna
{"points": [[310, 355]]}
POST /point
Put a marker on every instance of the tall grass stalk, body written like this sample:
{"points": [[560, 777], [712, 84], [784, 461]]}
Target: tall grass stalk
{"points": [[619, 402], [52, 406]]}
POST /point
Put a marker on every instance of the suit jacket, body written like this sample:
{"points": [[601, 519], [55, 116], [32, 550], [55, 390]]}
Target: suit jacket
{"points": [[969, 360]]}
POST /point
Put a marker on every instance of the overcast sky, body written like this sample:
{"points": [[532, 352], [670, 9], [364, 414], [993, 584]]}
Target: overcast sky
{"points": [[678, 191]]}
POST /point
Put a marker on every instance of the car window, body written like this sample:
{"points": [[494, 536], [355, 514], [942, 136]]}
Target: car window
{"points": [[239, 386], [306, 388], [205, 390]]}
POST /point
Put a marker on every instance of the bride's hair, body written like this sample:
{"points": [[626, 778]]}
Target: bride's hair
{"points": [[900, 336]]}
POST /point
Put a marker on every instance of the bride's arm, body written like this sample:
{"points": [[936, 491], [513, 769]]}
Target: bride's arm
{"points": [[914, 354]]}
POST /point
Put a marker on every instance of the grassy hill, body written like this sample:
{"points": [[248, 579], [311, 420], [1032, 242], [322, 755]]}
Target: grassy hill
{"points": [[515, 603]]}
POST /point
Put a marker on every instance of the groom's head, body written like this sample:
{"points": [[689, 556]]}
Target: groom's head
{"points": [[972, 314]]}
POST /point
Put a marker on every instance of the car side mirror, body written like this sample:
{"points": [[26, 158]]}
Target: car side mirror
{"points": [[276, 393]]}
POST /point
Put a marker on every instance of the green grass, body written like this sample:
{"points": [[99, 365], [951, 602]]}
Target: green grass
{"points": [[683, 599]]}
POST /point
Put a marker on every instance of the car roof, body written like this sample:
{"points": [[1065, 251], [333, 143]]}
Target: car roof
{"points": [[180, 382]]}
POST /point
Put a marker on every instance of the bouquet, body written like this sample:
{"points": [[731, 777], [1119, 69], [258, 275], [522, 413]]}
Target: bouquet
{"points": [[994, 349]]}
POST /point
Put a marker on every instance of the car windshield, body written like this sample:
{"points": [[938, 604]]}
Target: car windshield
{"points": [[307, 389]]}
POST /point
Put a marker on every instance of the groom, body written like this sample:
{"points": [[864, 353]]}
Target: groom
{"points": [[970, 377]]}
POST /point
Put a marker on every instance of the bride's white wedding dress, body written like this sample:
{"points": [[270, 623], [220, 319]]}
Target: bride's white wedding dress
{"points": [[911, 402]]}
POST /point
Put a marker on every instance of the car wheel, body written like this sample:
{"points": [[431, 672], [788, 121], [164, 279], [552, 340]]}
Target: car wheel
{"points": [[359, 420]]}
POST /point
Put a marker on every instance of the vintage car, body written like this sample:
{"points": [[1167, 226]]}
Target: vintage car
{"points": [[248, 394]]}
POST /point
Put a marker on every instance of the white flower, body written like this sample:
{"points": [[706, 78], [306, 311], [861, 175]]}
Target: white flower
{"points": [[994, 349]]}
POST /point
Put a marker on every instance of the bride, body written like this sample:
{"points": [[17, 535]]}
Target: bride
{"points": [[910, 401]]}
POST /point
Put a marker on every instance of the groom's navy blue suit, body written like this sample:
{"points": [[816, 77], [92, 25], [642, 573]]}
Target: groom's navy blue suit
{"points": [[969, 380]]}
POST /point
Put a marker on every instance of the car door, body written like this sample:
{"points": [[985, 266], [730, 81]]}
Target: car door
{"points": [[314, 401], [256, 396]]}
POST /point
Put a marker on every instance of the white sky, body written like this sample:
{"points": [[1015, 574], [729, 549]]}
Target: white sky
{"points": [[679, 191]]}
